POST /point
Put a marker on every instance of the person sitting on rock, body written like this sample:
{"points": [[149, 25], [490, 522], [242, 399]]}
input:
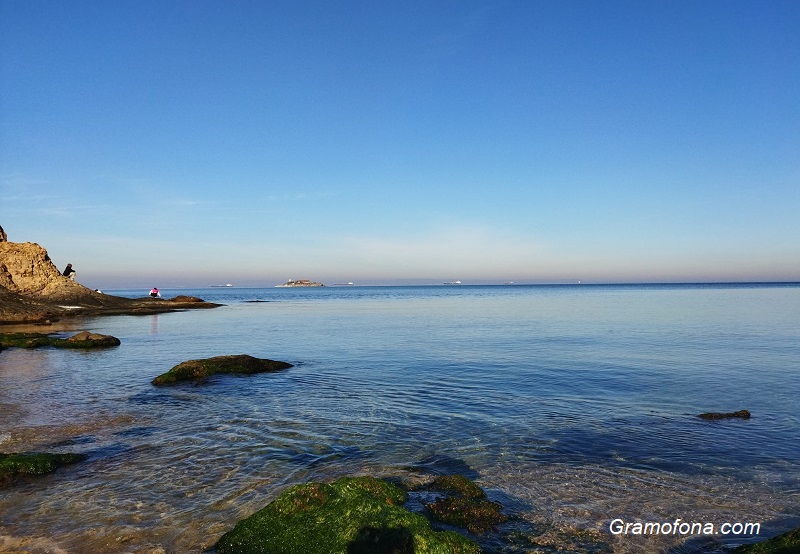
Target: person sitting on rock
{"points": [[69, 272], [154, 293]]}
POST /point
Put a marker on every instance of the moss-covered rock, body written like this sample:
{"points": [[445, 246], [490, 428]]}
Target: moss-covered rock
{"points": [[199, 370], [466, 505], [350, 516], [84, 339], [787, 543], [13, 465]]}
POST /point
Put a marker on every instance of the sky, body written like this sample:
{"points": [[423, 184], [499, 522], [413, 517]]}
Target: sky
{"points": [[197, 142]]}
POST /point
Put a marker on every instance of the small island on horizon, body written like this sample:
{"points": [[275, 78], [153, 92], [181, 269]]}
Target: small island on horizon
{"points": [[300, 283]]}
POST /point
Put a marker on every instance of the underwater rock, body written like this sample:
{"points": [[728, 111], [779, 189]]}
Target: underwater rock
{"points": [[351, 515], [466, 506], [787, 543], [199, 370], [743, 414], [13, 465]]}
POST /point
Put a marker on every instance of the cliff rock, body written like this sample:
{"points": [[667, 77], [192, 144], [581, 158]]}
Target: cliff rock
{"points": [[32, 289], [25, 268]]}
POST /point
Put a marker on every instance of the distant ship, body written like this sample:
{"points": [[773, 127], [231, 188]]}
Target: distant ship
{"points": [[226, 285], [300, 283], [350, 284], [452, 283]]}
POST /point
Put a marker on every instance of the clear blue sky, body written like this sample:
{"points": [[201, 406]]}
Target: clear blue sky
{"points": [[200, 142]]}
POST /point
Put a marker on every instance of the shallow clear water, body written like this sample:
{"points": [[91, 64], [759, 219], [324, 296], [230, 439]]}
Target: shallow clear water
{"points": [[572, 404]]}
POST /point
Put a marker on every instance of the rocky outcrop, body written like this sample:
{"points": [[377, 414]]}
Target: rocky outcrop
{"points": [[26, 269], [33, 290]]}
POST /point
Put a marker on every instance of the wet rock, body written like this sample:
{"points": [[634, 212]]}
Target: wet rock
{"points": [[742, 414], [787, 543], [199, 370], [84, 339], [351, 515], [183, 298], [14, 465], [466, 505]]}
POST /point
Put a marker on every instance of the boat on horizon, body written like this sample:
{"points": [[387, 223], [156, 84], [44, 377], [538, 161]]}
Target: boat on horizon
{"points": [[452, 283], [225, 285], [349, 284]]}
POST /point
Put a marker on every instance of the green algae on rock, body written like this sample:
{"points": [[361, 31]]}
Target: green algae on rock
{"points": [[466, 506], [199, 370], [787, 543], [12, 465], [349, 516], [84, 339]]}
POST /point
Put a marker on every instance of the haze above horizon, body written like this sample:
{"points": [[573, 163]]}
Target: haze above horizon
{"points": [[192, 143]]}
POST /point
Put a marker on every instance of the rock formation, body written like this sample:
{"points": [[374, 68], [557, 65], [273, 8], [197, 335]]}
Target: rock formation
{"points": [[32, 289], [25, 268], [199, 370]]}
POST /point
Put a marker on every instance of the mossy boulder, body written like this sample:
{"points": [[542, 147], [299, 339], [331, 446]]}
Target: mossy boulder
{"points": [[354, 515], [81, 340], [13, 465], [199, 370], [465, 505], [787, 543]]}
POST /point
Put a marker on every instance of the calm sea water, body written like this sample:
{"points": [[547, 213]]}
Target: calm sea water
{"points": [[573, 405]]}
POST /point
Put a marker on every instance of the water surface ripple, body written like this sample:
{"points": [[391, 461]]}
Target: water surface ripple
{"points": [[572, 405]]}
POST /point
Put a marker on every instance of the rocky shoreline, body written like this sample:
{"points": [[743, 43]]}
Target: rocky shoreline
{"points": [[33, 290]]}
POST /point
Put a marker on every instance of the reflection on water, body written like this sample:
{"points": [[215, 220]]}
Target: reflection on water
{"points": [[570, 408]]}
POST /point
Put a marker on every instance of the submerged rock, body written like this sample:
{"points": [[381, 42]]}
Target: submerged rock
{"points": [[13, 465], [84, 339], [349, 516], [199, 370], [787, 543], [466, 506], [742, 414]]}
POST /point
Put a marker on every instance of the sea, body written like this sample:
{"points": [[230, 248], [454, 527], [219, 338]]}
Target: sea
{"points": [[574, 406]]}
